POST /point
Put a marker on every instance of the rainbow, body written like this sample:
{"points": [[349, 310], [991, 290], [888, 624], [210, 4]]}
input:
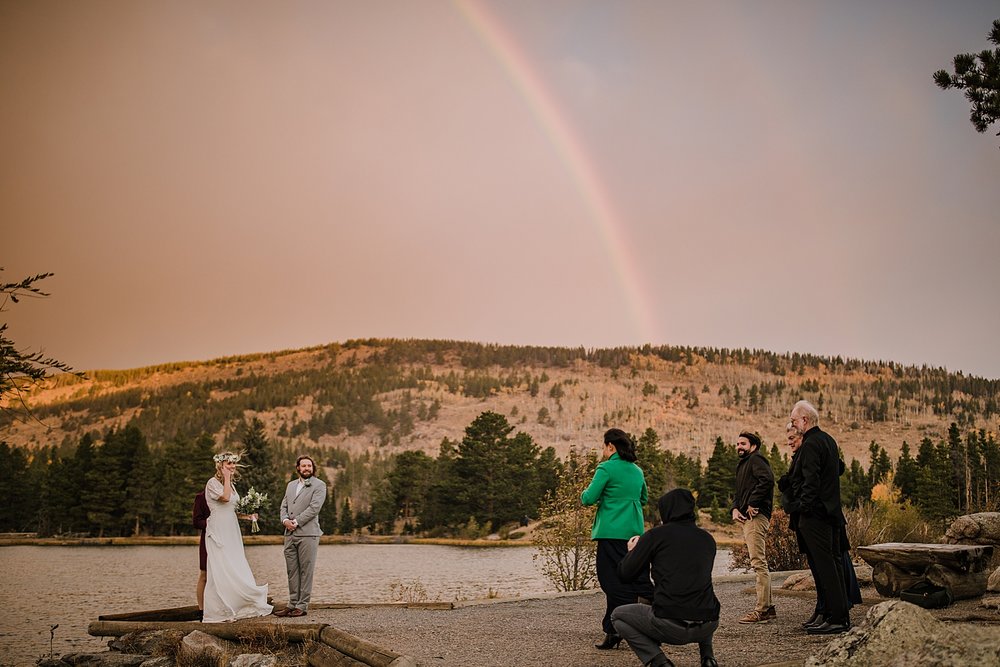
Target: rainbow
{"points": [[573, 155]]}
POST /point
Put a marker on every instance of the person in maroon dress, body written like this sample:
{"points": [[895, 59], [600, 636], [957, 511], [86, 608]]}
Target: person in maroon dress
{"points": [[199, 518]]}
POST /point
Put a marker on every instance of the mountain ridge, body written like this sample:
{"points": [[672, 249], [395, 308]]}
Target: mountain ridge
{"points": [[391, 395]]}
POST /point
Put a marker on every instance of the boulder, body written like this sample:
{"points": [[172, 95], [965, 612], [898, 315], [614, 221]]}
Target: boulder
{"points": [[198, 644], [800, 581], [993, 583], [900, 633], [979, 528]]}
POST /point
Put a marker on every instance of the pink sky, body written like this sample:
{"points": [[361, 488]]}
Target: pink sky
{"points": [[208, 179]]}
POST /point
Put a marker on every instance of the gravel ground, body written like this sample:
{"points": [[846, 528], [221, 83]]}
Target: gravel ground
{"points": [[561, 630]]}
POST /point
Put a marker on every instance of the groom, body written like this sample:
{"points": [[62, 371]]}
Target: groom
{"points": [[300, 515]]}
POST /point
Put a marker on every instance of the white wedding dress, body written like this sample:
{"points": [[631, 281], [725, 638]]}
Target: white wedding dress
{"points": [[231, 591]]}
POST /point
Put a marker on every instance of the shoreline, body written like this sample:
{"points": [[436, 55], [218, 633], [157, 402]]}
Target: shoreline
{"points": [[254, 540]]}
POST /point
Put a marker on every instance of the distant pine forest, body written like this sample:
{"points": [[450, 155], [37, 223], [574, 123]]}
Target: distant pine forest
{"points": [[467, 439]]}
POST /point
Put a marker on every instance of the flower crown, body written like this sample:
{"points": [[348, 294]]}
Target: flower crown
{"points": [[227, 456]]}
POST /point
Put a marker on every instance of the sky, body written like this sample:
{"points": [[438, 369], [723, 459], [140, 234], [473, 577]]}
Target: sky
{"points": [[207, 179]]}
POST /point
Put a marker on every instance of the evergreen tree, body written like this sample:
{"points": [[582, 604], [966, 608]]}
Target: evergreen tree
{"points": [[141, 485], [497, 478], [934, 490], [855, 486], [261, 474], [408, 484], [14, 489], [650, 458], [76, 479], [440, 508], [346, 526], [719, 481], [906, 474]]}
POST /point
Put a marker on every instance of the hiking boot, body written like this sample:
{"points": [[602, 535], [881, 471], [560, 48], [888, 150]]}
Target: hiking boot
{"points": [[755, 617], [770, 614]]}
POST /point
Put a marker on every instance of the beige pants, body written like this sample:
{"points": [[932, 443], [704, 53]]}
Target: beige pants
{"points": [[755, 536]]}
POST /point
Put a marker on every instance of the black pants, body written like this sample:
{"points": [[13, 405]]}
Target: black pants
{"points": [[617, 592], [823, 542]]}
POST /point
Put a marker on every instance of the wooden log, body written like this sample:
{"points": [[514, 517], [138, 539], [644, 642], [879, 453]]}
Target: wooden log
{"points": [[915, 558], [172, 614], [233, 631], [362, 650], [962, 585], [978, 528], [320, 655], [889, 579]]}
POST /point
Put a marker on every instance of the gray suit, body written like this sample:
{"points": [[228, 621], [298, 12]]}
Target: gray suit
{"points": [[302, 543]]}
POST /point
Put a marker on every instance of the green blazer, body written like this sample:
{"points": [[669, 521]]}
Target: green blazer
{"points": [[619, 491]]}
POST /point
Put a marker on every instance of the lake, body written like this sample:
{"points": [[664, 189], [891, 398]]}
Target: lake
{"points": [[72, 586]]}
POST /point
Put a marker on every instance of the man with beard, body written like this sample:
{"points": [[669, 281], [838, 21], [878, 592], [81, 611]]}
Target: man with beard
{"points": [[752, 504], [300, 508]]}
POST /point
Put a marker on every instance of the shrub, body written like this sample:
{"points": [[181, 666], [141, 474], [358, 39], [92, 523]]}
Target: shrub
{"points": [[781, 548], [886, 520]]}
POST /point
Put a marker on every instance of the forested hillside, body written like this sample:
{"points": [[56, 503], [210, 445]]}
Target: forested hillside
{"points": [[385, 395], [359, 406]]}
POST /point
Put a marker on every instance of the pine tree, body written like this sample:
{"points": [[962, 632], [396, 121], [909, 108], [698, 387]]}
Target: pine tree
{"points": [[906, 474], [719, 481], [261, 475], [650, 458]]}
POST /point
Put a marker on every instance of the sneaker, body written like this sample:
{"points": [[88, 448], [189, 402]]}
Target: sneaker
{"points": [[755, 617], [770, 614]]}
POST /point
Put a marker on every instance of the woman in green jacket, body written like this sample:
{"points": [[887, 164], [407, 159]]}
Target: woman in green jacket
{"points": [[619, 491]]}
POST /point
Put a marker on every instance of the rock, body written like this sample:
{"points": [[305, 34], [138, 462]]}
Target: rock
{"points": [[993, 583], [979, 528], [990, 603], [196, 644], [156, 642], [800, 581], [254, 660], [50, 662], [863, 571], [900, 633]]}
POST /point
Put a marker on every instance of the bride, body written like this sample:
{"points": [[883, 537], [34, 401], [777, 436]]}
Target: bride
{"points": [[231, 591]]}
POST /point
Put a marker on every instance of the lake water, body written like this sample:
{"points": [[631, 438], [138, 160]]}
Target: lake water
{"points": [[72, 586]]}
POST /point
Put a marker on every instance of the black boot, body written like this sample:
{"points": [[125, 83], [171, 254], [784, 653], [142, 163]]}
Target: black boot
{"points": [[610, 641], [815, 619]]}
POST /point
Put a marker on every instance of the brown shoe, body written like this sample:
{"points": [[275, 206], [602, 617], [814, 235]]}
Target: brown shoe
{"points": [[770, 614], [282, 613], [755, 617], [295, 613]]}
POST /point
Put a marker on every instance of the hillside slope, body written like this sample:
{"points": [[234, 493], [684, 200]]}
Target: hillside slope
{"points": [[390, 395]]}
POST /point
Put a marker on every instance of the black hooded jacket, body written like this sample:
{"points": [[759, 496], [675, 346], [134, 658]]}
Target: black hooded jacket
{"points": [[682, 556]]}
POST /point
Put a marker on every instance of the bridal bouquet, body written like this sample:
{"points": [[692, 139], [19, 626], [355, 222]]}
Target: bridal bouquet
{"points": [[249, 504]]}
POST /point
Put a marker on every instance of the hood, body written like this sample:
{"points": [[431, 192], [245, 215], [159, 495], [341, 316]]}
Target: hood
{"points": [[677, 505]]}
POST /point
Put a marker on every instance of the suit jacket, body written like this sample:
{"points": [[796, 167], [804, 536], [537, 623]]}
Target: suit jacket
{"points": [[305, 507], [619, 491], [815, 477]]}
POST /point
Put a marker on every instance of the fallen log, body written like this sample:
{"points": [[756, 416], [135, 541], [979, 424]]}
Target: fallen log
{"points": [[962, 585], [319, 654], [917, 557], [362, 650], [232, 631], [889, 580]]}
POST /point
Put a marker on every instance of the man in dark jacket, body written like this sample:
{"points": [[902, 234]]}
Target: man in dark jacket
{"points": [[685, 609], [815, 484], [752, 504]]}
